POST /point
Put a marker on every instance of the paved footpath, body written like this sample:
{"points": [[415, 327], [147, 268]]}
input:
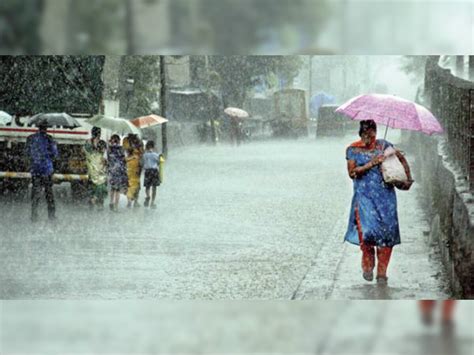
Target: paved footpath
{"points": [[264, 221]]}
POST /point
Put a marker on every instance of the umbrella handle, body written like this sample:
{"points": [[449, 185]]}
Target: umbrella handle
{"points": [[385, 136]]}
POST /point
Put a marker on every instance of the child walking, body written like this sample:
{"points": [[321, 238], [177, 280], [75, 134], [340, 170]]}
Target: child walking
{"points": [[118, 177], [151, 161]]}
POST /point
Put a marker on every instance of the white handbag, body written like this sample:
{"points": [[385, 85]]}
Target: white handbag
{"points": [[392, 169]]}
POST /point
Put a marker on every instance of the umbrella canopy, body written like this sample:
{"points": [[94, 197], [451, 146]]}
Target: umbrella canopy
{"points": [[117, 125], [5, 118], [236, 112], [148, 121], [391, 111], [318, 100], [54, 119]]}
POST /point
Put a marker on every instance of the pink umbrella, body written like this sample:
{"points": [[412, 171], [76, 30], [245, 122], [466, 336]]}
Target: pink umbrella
{"points": [[391, 111]]}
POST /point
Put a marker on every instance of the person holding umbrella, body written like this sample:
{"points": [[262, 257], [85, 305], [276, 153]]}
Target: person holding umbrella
{"points": [[373, 222], [373, 218], [42, 150], [236, 116]]}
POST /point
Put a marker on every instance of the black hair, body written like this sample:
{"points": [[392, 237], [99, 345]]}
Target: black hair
{"points": [[101, 145], [42, 124], [96, 131], [115, 138], [366, 125], [150, 145]]}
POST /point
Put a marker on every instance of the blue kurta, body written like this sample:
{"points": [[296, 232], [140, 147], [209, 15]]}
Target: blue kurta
{"points": [[376, 201]]}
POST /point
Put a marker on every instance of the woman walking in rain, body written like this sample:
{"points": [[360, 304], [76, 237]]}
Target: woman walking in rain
{"points": [[373, 221], [117, 169]]}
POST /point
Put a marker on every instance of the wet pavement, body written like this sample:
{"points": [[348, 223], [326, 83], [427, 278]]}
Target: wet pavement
{"points": [[262, 221], [224, 327]]}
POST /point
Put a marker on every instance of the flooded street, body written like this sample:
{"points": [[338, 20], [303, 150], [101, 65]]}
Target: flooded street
{"points": [[259, 222]]}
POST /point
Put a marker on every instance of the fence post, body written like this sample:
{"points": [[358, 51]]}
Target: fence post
{"points": [[471, 139], [471, 67]]}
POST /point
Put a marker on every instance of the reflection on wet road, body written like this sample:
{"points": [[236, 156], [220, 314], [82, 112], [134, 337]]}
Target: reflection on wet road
{"points": [[237, 327]]}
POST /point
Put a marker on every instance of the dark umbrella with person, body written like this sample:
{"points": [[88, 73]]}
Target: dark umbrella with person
{"points": [[54, 120]]}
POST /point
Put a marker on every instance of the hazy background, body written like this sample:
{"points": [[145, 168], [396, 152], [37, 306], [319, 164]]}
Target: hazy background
{"points": [[237, 27]]}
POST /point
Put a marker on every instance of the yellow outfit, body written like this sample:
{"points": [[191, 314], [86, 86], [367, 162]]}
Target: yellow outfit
{"points": [[133, 171]]}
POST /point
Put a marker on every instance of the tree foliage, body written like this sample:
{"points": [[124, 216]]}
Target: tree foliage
{"points": [[414, 66], [238, 74], [34, 84]]}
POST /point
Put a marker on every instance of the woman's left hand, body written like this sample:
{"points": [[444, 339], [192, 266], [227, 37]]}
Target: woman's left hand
{"points": [[406, 185]]}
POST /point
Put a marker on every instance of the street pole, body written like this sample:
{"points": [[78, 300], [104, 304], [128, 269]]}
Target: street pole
{"points": [[129, 27], [209, 103], [310, 78], [164, 128], [71, 27], [343, 25]]}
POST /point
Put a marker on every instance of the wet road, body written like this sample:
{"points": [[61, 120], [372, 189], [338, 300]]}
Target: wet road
{"points": [[223, 327], [264, 221]]}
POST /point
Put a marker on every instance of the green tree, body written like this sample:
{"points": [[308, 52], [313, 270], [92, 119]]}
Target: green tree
{"points": [[34, 84], [414, 66]]}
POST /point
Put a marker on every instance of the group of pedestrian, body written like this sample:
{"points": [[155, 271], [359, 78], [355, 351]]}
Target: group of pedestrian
{"points": [[118, 167], [111, 167]]}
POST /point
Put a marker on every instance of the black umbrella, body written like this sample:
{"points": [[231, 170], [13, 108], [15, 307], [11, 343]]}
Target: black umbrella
{"points": [[54, 119]]}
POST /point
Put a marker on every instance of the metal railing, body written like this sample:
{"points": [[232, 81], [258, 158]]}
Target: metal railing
{"points": [[451, 100]]}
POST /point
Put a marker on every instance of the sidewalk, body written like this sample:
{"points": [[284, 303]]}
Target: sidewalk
{"points": [[415, 271]]}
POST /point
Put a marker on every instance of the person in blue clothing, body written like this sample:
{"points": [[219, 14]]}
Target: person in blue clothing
{"points": [[42, 150], [373, 220], [151, 164]]}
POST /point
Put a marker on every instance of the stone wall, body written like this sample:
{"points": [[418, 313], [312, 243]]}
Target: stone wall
{"points": [[449, 203]]}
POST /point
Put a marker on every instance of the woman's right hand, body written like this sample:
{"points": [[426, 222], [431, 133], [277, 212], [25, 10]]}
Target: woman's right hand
{"points": [[378, 160]]}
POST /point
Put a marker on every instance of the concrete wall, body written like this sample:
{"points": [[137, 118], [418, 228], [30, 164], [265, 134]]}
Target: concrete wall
{"points": [[450, 208]]}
